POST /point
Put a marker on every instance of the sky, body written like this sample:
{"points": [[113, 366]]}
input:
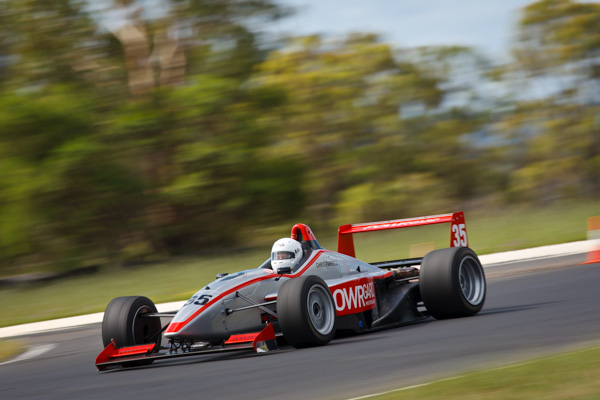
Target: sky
{"points": [[487, 25]]}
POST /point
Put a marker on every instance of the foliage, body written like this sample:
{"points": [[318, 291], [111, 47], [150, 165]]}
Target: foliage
{"points": [[130, 134], [557, 134]]}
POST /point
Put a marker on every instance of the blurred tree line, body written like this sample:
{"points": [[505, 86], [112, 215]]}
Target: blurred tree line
{"points": [[131, 130]]}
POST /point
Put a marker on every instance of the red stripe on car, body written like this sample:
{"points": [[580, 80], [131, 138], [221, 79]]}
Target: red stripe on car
{"points": [[177, 326]]}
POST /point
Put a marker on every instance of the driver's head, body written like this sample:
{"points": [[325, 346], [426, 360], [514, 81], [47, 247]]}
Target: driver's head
{"points": [[286, 252]]}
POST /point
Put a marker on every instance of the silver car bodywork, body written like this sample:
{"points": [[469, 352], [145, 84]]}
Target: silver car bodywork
{"points": [[212, 313], [326, 292]]}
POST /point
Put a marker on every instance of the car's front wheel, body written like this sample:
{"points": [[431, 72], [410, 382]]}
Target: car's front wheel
{"points": [[124, 322], [306, 312]]}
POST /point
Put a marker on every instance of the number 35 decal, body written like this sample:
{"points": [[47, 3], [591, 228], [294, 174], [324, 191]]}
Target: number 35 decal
{"points": [[460, 235], [199, 300]]}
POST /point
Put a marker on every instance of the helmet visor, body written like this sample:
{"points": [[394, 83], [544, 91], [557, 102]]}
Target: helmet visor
{"points": [[282, 255]]}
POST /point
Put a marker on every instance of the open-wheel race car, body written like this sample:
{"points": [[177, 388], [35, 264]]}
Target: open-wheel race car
{"points": [[303, 294]]}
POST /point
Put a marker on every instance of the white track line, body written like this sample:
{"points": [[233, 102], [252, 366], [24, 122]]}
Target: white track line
{"points": [[32, 352], [404, 388]]}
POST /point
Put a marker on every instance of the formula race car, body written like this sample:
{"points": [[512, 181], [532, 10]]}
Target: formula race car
{"points": [[303, 294]]}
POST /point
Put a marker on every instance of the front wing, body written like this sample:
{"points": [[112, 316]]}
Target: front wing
{"points": [[113, 356]]}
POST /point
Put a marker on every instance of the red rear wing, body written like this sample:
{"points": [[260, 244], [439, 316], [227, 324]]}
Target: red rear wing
{"points": [[458, 229]]}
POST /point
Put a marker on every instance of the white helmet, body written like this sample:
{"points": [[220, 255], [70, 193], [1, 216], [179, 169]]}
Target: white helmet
{"points": [[286, 252]]}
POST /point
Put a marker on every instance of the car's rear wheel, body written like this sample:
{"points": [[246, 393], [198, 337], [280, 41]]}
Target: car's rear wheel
{"points": [[452, 283], [306, 312], [125, 324]]}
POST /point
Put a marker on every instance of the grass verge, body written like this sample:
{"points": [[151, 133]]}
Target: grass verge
{"points": [[9, 349], [572, 375], [179, 279], [176, 280]]}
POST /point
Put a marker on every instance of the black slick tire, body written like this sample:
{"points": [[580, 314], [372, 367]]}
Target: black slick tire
{"points": [[124, 324], [306, 312], [452, 283]]}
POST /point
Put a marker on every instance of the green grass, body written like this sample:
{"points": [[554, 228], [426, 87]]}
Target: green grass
{"points": [[176, 280], [572, 375], [525, 228], [9, 349], [179, 279]]}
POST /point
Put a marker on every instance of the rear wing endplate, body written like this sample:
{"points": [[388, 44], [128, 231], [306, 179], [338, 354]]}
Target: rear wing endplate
{"points": [[458, 229]]}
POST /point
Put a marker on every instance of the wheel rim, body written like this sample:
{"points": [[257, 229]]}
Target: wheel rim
{"points": [[142, 328], [320, 309], [472, 281]]}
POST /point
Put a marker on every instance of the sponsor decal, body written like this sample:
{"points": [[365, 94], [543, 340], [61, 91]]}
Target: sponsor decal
{"points": [[355, 296], [130, 351], [324, 264], [398, 224], [243, 338]]}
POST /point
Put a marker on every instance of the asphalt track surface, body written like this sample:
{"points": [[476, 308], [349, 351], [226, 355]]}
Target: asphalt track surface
{"points": [[532, 309]]}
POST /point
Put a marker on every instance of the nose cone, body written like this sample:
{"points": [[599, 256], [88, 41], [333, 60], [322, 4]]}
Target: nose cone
{"points": [[203, 316], [196, 318]]}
